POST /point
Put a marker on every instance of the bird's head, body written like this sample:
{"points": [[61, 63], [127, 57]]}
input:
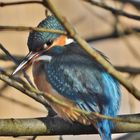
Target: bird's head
{"points": [[39, 42]]}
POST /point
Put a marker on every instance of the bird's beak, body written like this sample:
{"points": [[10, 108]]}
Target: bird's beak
{"points": [[25, 62]]}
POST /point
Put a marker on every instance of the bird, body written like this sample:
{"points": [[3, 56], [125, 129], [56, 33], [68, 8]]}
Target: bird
{"points": [[63, 69]]}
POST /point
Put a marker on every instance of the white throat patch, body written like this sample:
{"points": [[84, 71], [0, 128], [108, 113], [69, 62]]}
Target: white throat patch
{"points": [[69, 40], [44, 58]]}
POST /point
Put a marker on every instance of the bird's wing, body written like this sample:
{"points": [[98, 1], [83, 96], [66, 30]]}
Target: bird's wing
{"points": [[80, 80]]}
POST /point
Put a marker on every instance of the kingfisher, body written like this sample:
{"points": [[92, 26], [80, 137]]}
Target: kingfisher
{"points": [[63, 69]]}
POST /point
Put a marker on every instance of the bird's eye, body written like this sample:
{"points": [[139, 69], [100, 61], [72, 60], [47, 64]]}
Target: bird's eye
{"points": [[49, 42]]}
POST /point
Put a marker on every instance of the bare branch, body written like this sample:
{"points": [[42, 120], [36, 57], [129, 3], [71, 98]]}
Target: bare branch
{"points": [[128, 69], [4, 57], [25, 28], [57, 126], [9, 55], [114, 34], [102, 5], [113, 10], [3, 4], [16, 62]]}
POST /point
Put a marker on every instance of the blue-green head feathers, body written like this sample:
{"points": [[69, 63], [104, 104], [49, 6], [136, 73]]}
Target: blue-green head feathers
{"points": [[37, 39]]}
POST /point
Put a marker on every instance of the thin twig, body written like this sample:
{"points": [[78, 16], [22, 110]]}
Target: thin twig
{"points": [[3, 4], [128, 69], [8, 54], [113, 10], [16, 62], [102, 5], [114, 34], [4, 57], [27, 28], [126, 31]]}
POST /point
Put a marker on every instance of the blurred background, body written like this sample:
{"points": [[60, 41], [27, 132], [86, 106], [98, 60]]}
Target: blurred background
{"points": [[98, 26]]}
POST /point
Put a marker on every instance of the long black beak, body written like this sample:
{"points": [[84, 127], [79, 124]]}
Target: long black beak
{"points": [[25, 62], [29, 58]]}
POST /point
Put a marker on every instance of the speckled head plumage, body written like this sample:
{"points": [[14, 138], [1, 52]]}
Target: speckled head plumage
{"points": [[37, 39]]}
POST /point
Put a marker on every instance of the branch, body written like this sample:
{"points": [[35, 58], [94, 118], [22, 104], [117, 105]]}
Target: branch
{"points": [[3, 4], [57, 126], [27, 28], [129, 136], [107, 66], [113, 10], [114, 34], [128, 69], [4, 57], [102, 5], [16, 62]]}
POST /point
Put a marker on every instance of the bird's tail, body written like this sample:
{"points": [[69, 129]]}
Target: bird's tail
{"points": [[105, 136], [104, 129]]}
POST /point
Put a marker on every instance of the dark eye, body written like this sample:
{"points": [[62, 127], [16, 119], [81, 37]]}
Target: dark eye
{"points": [[49, 42]]}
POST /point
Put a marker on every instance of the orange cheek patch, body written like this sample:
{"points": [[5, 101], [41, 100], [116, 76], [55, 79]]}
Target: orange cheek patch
{"points": [[60, 41]]}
